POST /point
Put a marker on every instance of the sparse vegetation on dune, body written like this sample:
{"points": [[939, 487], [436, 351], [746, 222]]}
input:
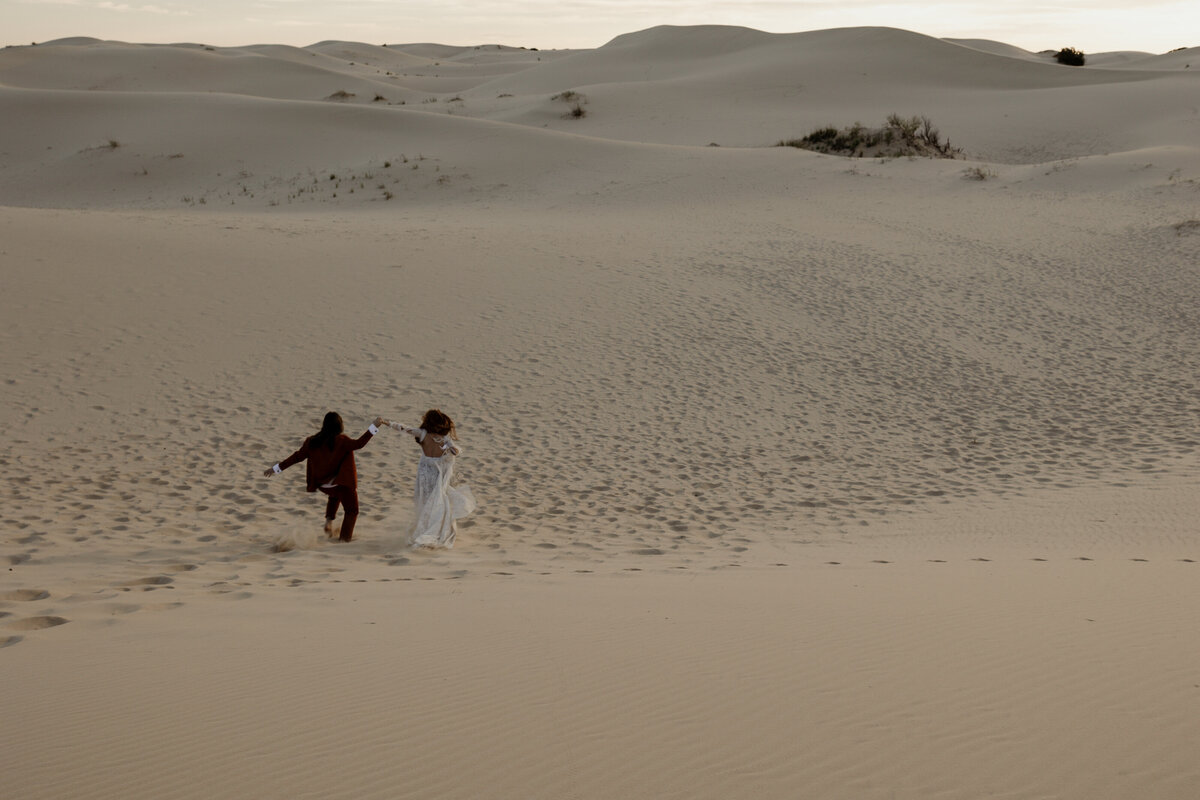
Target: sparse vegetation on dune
{"points": [[898, 137], [1071, 57], [111, 144], [575, 101], [978, 173]]}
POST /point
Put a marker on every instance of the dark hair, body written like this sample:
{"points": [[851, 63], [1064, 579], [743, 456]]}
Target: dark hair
{"points": [[330, 429], [439, 424]]}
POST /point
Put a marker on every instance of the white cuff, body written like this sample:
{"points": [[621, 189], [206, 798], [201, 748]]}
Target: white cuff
{"points": [[277, 469], [373, 429]]}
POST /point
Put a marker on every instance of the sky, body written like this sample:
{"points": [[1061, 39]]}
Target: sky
{"points": [[1093, 27]]}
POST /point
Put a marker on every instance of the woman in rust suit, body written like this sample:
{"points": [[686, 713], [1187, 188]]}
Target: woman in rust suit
{"points": [[330, 457]]}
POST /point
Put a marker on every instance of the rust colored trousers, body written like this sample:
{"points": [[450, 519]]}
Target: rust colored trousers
{"points": [[347, 497]]}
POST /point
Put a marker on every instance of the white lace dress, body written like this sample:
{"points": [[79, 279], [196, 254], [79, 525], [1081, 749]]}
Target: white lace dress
{"points": [[438, 504]]}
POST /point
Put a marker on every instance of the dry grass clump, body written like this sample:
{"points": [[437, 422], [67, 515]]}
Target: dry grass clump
{"points": [[575, 102], [898, 137], [111, 144], [978, 173], [1071, 57], [341, 96]]}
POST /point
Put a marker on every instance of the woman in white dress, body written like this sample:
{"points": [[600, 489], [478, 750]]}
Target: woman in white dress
{"points": [[438, 504]]}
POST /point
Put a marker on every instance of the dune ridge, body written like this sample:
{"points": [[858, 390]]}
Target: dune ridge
{"points": [[674, 86]]}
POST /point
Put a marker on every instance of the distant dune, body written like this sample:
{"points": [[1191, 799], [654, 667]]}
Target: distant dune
{"points": [[675, 86]]}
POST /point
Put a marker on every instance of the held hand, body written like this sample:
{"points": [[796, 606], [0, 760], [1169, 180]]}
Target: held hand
{"points": [[380, 422], [270, 471]]}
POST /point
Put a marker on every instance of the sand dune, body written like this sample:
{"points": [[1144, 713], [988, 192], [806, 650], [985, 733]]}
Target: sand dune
{"points": [[799, 475], [693, 86]]}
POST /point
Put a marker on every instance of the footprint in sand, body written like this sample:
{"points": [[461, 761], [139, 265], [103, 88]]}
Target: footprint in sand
{"points": [[13, 561], [231, 595], [25, 595], [37, 623], [115, 609], [6, 641], [154, 580]]}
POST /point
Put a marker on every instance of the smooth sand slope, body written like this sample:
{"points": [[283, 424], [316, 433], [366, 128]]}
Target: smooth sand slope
{"points": [[799, 475]]}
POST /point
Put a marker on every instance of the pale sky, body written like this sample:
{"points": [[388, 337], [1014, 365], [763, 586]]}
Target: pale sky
{"points": [[1095, 26]]}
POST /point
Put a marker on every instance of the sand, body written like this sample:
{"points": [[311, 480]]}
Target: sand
{"points": [[798, 475]]}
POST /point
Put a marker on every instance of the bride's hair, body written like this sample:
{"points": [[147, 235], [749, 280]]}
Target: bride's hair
{"points": [[330, 428], [438, 424]]}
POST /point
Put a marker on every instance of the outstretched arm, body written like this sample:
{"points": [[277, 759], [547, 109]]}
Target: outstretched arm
{"points": [[294, 458], [372, 429], [416, 433]]}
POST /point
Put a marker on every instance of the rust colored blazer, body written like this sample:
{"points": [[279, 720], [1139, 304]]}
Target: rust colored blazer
{"points": [[333, 465]]}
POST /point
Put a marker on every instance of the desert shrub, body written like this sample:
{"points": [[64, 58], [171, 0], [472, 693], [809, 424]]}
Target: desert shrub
{"points": [[379, 99], [340, 95], [978, 173], [575, 102], [1070, 56], [898, 136]]}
